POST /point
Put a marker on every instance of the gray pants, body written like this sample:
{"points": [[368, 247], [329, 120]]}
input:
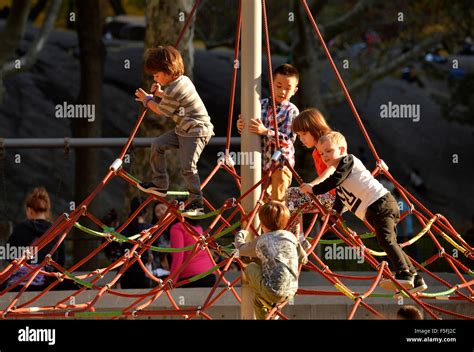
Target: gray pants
{"points": [[189, 151]]}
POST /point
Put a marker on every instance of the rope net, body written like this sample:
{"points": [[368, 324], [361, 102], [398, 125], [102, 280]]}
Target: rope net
{"points": [[225, 220]]}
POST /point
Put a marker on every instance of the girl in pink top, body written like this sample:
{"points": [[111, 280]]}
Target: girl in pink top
{"points": [[201, 262]]}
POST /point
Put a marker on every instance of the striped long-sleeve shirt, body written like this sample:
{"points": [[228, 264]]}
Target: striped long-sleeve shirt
{"points": [[285, 113], [182, 103]]}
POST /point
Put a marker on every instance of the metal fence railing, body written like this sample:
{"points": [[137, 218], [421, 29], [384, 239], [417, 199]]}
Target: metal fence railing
{"points": [[68, 142]]}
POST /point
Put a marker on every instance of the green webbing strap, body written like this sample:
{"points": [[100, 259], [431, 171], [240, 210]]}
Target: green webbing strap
{"points": [[98, 314], [363, 236], [109, 231], [121, 238], [200, 276], [227, 230], [203, 216], [79, 281], [181, 193], [188, 248], [177, 193], [169, 193], [171, 250], [434, 294]]}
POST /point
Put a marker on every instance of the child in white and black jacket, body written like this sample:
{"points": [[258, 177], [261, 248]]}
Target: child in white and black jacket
{"points": [[358, 191]]}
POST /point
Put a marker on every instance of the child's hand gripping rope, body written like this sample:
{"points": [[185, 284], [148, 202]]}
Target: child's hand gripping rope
{"points": [[143, 97]]}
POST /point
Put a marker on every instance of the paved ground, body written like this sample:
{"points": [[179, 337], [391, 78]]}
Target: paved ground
{"points": [[302, 307]]}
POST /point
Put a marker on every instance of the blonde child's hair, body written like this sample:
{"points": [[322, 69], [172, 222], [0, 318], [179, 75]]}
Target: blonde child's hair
{"points": [[336, 138], [274, 215], [312, 121]]}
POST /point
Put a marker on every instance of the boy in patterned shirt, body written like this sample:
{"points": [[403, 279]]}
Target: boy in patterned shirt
{"points": [[285, 85]]}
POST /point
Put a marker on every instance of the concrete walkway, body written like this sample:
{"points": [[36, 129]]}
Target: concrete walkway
{"points": [[302, 307]]}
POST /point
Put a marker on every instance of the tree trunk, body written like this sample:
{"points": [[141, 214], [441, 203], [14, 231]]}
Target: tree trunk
{"points": [[36, 10], [14, 29], [26, 61], [117, 7], [306, 53], [11, 35], [306, 56], [163, 28], [165, 19], [92, 56]]}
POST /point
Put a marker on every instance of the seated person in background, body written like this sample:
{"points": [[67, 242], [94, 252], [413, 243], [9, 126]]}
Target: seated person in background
{"points": [[38, 212], [113, 250], [161, 261], [135, 277], [159, 211]]}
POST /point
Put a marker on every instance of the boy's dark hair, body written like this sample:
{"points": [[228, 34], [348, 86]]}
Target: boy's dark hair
{"points": [[287, 70], [274, 215], [164, 59], [409, 313]]}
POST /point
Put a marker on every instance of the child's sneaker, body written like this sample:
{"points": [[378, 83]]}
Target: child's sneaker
{"points": [[419, 284], [194, 208], [150, 187], [404, 278]]}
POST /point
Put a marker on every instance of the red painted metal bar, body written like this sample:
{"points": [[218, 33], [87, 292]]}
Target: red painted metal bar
{"points": [[234, 77], [187, 23], [340, 80], [270, 75]]}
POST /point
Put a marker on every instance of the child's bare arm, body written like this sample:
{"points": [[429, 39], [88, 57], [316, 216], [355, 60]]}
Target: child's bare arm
{"points": [[147, 101]]}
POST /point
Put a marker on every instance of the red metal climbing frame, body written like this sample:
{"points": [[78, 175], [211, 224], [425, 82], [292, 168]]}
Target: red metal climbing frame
{"points": [[224, 222]]}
